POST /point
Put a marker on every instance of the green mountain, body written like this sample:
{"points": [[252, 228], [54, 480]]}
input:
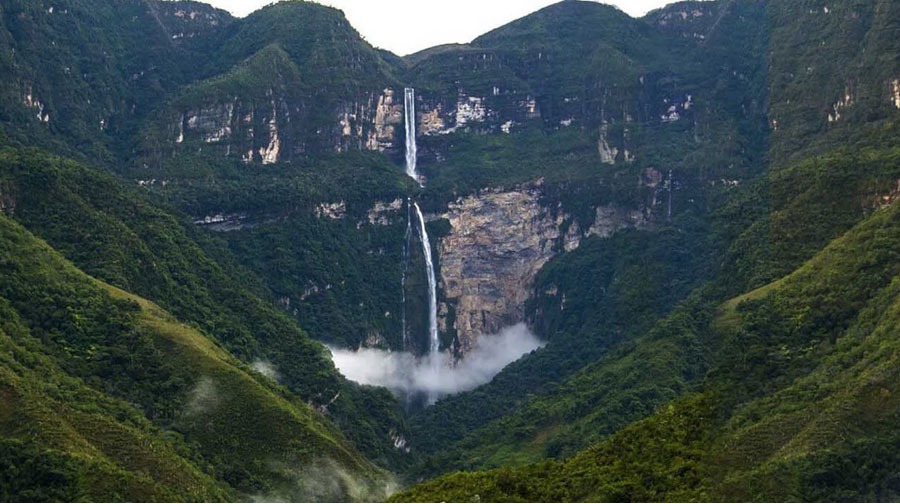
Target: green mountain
{"points": [[796, 404], [107, 396], [694, 210], [81, 76], [760, 409], [589, 381]]}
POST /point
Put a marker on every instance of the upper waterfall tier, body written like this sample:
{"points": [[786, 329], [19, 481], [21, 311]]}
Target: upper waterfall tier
{"points": [[409, 107]]}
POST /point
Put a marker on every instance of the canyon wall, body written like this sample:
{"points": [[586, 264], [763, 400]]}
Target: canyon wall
{"points": [[499, 241]]}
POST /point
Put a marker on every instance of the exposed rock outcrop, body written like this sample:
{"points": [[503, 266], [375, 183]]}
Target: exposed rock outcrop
{"points": [[388, 116], [610, 218], [31, 101], [271, 130], [493, 113], [381, 213], [212, 122], [223, 223], [844, 102], [254, 131], [469, 109], [431, 122], [499, 241], [333, 211], [7, 200], [607, 154]]}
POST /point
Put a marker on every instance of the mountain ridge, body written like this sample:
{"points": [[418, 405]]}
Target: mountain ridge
{"points": [[709, 256]]}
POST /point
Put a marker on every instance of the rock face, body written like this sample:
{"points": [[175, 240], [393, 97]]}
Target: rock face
{"points": [[333, 211], [243, 128], [607, 154], [7, 201], [30, 101], [382, 213], [489, 113], [499, 241], [271, 130], [387, 120], [610, 218]]}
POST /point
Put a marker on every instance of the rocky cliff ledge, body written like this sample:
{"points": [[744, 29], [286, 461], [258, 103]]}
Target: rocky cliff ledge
{"points": [[500, 239]]}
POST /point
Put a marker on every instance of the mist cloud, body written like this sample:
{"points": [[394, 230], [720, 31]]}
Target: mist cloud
{"points": [[404, 373], [203, 398], [266, 369]]}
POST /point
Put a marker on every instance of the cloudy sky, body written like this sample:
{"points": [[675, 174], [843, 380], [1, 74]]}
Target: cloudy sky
{"points": [[406, 26]]}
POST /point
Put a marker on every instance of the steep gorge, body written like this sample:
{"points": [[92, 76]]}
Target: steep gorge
{"points": [[622, 185]]}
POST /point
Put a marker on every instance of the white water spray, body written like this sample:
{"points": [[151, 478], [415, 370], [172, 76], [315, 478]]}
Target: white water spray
{"points": [[436, 376], [409, 107], [432, 284]]}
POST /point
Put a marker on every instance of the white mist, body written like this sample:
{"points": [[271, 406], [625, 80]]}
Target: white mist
{"points": [[434, 374]]}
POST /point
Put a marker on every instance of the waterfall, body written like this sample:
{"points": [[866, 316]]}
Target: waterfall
{"points": [[432, 285], [405, 264], [409, 107]]}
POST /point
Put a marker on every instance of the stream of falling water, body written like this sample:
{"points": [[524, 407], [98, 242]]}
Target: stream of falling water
{"points": [[409, 105], [434, 341], [409, 108]]}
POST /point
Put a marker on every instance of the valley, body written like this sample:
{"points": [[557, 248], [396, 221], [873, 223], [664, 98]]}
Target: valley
{"points": [[584, 257]]}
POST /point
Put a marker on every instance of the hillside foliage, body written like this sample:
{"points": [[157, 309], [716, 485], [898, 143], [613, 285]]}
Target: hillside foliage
{"points": [[191, 204]]}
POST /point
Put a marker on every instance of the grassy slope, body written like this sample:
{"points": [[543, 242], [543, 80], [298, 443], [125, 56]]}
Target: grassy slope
{"points": [[116, 234], [88, 445], [233, 405], [227, 420], [113, 233], [64, 441]]}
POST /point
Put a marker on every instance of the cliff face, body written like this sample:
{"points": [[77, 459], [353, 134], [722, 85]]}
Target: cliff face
{"points": [[7, 201], [282, 121], [293, 80], [499, 241], [275, 126]]}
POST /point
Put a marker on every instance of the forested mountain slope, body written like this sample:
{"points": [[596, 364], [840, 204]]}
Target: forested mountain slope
{"points": [[799, 391], [106, 396], [764, 401], [694, 210]]}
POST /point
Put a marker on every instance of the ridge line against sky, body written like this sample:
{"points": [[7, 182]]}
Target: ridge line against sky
{"points": [[406, 26]]}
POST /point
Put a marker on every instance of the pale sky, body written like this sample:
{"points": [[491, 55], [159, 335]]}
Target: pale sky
{"points": [[407, 26]]}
